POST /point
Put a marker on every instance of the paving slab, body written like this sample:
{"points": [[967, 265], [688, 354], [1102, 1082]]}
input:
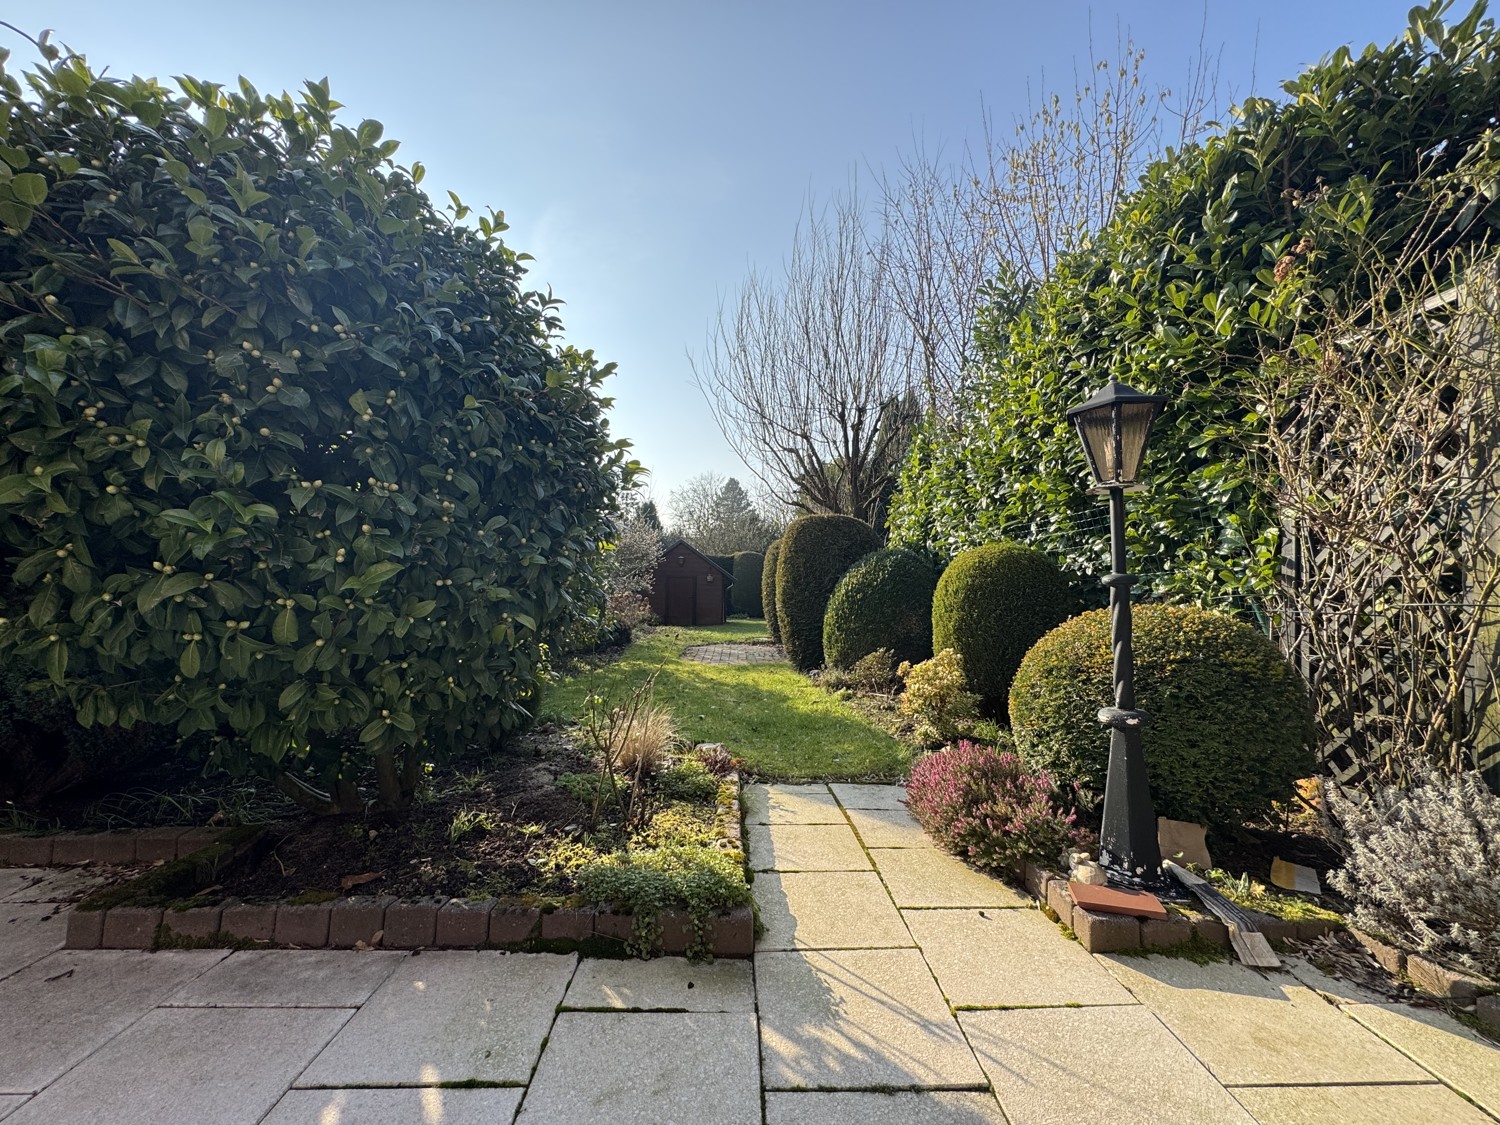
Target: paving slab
{"points": [[196, 1066], [663, 984], [396, 1107], [56, 1011], [1254, 1029], [926, 877], [1367, 1105], [28, 932], [1338, 989], [790, 804], [647, 1068], [1009, 959], [13, 879], [826, 910], [1460, 1057], [1059, 1066], [889, 828], [9, 1103], [449, 1017], [857, 1019], [805, 847], [289, 978], [58, 884], [929, 1107], [870, 796]]}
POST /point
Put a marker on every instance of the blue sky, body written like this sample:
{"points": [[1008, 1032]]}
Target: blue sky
{"points": [[649, 152]]}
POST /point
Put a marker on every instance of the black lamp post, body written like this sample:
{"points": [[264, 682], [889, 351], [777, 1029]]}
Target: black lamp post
{"points": [[1115, 425]]}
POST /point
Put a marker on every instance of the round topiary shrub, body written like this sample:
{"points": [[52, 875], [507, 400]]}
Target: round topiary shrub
{"points": [[815, 553], [768, 590], [990, 606], [883, 602], [748, 570], [292, 459], [1230, 724]]}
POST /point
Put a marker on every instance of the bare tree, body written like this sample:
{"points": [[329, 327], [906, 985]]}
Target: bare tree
{"points": [[717, 516]]}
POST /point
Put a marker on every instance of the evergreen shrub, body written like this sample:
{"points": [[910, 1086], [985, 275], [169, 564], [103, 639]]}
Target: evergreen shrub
{"points": [[883, 602], [815, 553], [768, 590], [748, 569]]}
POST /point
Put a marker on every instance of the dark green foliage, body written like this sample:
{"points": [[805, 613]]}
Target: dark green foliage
{"points": [[883, 602], [990, 606], [1230, 723], [815, 553], [1224, 251], [723, 581], [292, 460], [768, 590], [749, 567]]}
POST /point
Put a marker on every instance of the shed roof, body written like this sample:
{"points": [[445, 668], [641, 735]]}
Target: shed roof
{"points": [[677, 541]]}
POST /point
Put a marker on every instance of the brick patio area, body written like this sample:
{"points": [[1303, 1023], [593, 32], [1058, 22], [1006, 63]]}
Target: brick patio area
{"points": [[734, 654]]}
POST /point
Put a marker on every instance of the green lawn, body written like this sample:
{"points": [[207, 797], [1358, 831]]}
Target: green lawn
{"points": [[781, 723]]}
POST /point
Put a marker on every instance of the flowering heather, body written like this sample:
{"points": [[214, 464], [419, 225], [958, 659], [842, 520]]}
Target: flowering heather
{"points": [[984, 804]]}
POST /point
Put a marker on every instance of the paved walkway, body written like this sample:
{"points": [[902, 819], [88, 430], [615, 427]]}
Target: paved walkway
{"points": [[732, 653], [892, 986]]}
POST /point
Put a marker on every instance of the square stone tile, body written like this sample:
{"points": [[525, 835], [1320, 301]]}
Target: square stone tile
{"points": [[1338, 990], [397, 1107], [826, 910], [790, 804], [663, 983], [1367, 1105], [927, 1107], [13, 879], [889, 828], [1009, 959], [647, 1068], [857, 1019], [196, 1066], [1061, 1066], [28, 932], [57, 884], [1251, 1029], [805, 847], [289, 978], [926, 877], [1460, 1057], [9, 1103], [55, 1012], [870, 796], [449, 1017]]}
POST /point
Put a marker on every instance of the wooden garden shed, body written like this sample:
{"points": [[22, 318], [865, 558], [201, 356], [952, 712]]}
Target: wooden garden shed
{"points": [[688, 588]]}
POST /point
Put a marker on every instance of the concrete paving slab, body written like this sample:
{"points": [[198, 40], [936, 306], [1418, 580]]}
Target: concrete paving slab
{"points": [[929, 1107], [1058, 1066], [1250, 1029], [58, 1010], [449, 1017], [889, 828], [647, 1068], [13, 879], [1334, 988], [805, 847], [1460, 1057], [289, 978], [59, 884], [790, 804], [1009, 959], [856, 1019], [1367, 1105], [396, 1107], [9, 1103], [926, 877], [663, 984], [870, 796], [28, 932], [194, 1066], [827, 910]]}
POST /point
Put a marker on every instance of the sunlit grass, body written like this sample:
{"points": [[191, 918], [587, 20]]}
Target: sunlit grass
{"points": [[782, 724]]}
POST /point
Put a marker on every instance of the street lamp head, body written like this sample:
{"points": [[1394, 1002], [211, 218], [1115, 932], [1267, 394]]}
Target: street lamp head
{"points": [[1115, 426]]}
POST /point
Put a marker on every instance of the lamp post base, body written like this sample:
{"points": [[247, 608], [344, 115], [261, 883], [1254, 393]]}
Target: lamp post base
{"points": [[1128, 850]]}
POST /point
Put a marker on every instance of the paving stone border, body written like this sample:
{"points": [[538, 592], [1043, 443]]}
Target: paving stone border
{"points": [[146, 845], [390, 923], [1116, 933], [1433, 979]]}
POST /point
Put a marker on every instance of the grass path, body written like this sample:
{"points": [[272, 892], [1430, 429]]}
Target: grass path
{"points": [[781, 723]]}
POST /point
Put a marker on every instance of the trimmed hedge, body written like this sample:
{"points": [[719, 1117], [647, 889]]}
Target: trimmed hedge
{"points": [[884, 601], [815, 553], [749, 567], [990, 606], [726, 587], [768, 590], [1230, 723]]}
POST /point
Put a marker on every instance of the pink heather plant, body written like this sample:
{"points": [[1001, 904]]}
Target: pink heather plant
{"points": [[984, 804]]}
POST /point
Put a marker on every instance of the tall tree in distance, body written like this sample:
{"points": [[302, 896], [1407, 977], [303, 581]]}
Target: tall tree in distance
{"points": [[716, 515]]}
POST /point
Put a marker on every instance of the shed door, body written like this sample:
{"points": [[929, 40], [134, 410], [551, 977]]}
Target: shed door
{"points": [[682, 601]]}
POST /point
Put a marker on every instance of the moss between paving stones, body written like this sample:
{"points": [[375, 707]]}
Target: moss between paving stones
{"points": [[179, 881]]}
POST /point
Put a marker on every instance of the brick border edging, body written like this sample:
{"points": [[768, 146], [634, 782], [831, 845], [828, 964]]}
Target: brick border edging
{"points": [[386, 922], [145, 845], [1119, 933]]}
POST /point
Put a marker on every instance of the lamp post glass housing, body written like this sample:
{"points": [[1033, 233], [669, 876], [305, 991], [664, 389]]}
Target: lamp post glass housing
{"points": [[1115, 427]]}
